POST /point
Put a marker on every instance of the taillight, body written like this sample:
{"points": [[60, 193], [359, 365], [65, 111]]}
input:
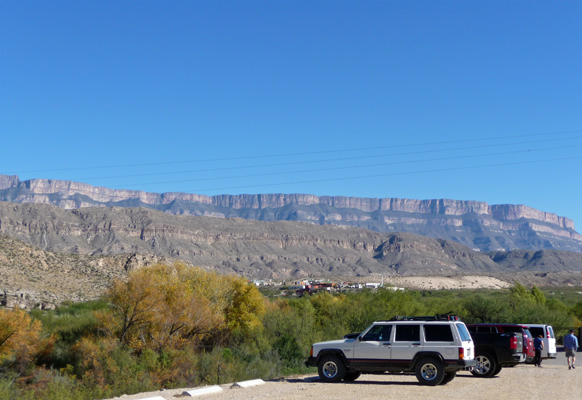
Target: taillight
{"points": [[547, 333], [513, 343], [311, 352], [461, 353]]}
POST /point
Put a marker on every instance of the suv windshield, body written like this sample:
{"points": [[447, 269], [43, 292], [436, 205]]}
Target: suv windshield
{"points": [[465, 335]]}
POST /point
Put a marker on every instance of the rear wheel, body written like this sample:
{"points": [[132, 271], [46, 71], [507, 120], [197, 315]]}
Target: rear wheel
{"points": [[449, 376], [351, 376], [331, 369], [486, 366], [430, 371], [497, 370]]}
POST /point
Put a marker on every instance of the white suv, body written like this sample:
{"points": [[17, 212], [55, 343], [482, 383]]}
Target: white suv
{"points": [[434, 349]]}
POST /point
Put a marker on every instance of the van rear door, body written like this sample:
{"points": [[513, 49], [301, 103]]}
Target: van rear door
{"points": [[551, 351]]}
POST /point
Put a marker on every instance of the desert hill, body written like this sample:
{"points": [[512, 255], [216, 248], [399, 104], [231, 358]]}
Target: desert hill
{"points": [[50, 254]]}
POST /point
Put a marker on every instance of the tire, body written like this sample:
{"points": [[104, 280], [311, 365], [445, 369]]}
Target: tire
{"points": [[486, 366], [449, 376], [497, 370], [430, 371], [351, 376], [331, 369]]}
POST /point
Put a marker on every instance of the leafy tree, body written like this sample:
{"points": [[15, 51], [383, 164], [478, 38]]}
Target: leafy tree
{"points": [[538, 295], [519, 290], [135, 305], [480, 309], [19, 333], [170, 306], [244, 306]]}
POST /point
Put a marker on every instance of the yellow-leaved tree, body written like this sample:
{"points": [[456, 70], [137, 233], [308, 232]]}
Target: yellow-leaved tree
{"points": [[19, 333], [169, 306]]}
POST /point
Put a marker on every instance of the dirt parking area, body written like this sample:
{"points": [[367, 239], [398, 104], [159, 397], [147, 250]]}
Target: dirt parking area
{"points": [[524, 382]]}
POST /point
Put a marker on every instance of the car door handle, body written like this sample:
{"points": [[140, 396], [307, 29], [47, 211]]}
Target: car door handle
{"points": [[385, 344], [416, 344]]}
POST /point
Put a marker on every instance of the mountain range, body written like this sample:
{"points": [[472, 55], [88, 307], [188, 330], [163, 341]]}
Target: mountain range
{"points": [[62, 240], [475, 224]]}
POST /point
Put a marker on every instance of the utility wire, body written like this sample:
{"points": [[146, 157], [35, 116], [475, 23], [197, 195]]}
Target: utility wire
{"points": [[238, 167], [346, 167], [383, 175], [293, 154]]}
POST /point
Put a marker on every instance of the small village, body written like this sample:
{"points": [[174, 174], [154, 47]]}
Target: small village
{"points": [[300, 288]]}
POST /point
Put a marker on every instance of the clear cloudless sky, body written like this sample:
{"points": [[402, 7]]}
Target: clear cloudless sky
{"points": [[467, 100]]}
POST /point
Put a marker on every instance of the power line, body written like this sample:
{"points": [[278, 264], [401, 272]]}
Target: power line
{"points": [[346, 167], [238, 167], [293, 154], [384, 175]]}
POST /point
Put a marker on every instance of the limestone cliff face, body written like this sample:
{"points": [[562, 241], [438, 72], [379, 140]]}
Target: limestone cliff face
{"points": [[472, 223], [8, 181]]}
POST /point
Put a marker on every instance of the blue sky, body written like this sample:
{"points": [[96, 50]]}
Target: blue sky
{"points": [[468, 100]]}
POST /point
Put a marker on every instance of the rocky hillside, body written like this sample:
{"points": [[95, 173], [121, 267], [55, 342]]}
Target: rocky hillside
{"points": [[256, 249], [251, 248], [48, 254], [31, 277], [474, 224]]}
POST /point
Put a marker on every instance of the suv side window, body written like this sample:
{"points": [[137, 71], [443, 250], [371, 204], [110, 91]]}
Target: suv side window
{"points": [[407, 333], [378, 333], [438, 333]]}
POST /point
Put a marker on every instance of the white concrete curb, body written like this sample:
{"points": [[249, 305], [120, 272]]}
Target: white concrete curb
{"points": [[205, 390], [253, 382]]}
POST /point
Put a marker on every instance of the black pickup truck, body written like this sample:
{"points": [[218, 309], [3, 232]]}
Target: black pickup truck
{"points": [[494, 351]]}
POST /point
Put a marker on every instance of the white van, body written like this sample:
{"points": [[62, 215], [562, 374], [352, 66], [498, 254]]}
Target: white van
{"points": [[548, 336]]}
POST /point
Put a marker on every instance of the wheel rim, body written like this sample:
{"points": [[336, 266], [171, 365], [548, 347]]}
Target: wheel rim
{"points": [[483, 365], [329, 369], [429, 372]]}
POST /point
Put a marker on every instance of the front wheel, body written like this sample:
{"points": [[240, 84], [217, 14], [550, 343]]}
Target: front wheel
{"points": [[486, 366], [430, 371], [331, 369]]}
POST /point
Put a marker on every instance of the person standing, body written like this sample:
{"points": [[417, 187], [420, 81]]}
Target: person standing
{"points": [[538, 346], [570, 347]]}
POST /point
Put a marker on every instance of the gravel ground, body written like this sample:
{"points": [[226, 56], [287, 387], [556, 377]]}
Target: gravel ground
{"points": [[524, 382]]}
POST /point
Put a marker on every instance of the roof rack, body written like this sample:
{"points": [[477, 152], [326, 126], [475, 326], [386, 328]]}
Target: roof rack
{"points": [[437, 317]]}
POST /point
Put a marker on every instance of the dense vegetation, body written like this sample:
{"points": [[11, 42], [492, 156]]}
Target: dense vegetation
{"points": [[182, 327]]}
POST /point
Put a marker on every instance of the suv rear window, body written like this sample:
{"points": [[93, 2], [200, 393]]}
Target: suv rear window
{"points": [[465, 335], [407, 333], [438, 333]]}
